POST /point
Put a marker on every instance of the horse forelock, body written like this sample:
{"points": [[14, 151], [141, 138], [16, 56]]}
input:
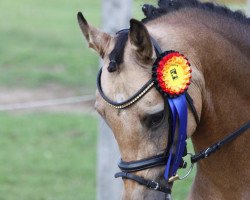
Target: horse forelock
{"points": [[117, 54]]}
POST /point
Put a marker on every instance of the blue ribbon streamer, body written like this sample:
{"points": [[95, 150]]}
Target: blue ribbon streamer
{"points": [[178, 107]]}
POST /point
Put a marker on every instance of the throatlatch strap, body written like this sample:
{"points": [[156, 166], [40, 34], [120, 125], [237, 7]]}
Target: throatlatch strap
{"points": [[212, 149], [191, 104]]}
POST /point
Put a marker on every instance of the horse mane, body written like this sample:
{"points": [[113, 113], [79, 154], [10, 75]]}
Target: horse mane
{"points": [[167, 6], [164, 7]]}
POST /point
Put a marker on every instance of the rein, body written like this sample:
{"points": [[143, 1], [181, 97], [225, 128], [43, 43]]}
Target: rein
{"points": [[174, 152]]}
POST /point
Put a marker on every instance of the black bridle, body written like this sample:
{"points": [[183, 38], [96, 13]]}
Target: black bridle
{"points": [[127, 168]]}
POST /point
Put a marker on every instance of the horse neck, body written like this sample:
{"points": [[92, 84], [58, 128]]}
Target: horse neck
{"points": [[219, 47], [221, 53], [224, 59], [224, 62]]}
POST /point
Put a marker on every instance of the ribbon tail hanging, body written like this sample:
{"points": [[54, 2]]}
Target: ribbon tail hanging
{"points": [[178, 108]]}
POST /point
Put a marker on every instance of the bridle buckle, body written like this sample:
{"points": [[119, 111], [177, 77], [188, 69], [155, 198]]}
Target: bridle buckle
{"points": [[156, 185], [207, 152]]}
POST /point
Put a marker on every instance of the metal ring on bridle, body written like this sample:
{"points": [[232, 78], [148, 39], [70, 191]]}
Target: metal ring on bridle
{"points": [[176, 177], [206, 152], [190, 169]]}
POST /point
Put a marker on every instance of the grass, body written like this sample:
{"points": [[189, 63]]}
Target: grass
{"points": [[41, 43], [47, 156]]}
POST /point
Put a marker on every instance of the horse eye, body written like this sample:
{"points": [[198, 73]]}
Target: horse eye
{"points": [[154, 120]]}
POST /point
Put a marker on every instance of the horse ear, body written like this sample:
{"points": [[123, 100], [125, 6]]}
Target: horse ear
{"points": [[140, 39], [96, 39]]}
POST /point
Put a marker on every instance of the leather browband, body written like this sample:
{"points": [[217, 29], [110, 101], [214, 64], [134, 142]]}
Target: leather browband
{"points": [[140, 93]]}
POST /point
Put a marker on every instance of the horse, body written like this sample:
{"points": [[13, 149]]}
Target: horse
{"points": [[214, 44]]}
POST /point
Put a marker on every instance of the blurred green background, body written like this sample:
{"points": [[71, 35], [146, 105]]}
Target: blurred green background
{"points": [[50, 154]]}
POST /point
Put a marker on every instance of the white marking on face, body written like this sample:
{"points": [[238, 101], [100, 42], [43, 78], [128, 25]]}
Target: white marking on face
{"points": [[119, 97]]}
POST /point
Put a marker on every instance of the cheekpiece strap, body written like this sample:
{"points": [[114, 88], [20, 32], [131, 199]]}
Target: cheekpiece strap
{"points": [[157, 48]]}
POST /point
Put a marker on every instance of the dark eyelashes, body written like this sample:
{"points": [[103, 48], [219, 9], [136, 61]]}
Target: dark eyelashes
{"points": [[154, 120]]}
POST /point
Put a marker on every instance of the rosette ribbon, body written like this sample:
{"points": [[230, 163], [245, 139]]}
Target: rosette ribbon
{"points": [[178, 108]]}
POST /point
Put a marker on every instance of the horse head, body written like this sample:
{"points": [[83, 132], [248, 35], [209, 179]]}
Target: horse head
{"points": [[139, 114], [141, 130]]}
